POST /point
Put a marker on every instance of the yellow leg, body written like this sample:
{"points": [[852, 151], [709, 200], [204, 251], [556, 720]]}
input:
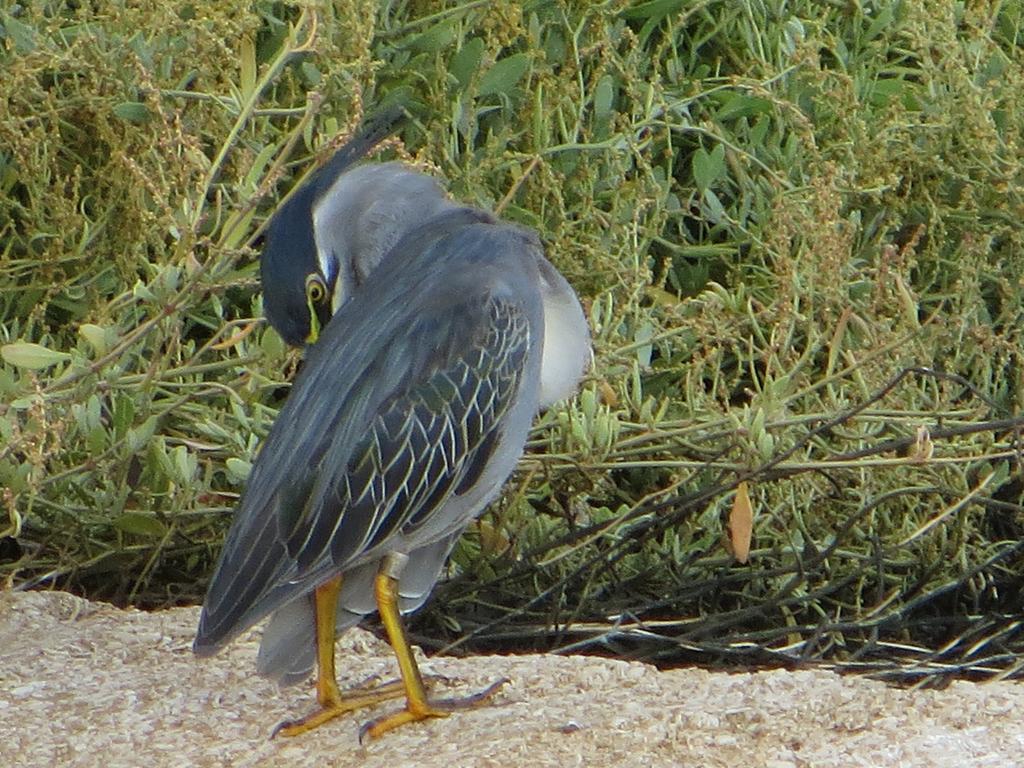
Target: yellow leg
{"points": [[333, 702], [325, 609], [417, 706]]}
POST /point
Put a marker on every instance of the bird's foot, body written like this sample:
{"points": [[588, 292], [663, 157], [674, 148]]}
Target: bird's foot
{"points": [[336, 706], [367, 693], [415, 711]]}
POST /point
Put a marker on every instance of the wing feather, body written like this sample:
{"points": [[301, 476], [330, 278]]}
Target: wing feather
{"points": [[398, 408]]}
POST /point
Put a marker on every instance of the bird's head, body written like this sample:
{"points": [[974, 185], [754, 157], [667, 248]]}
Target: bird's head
{"points": [[301, 266], [326, 239], [297, 288]]}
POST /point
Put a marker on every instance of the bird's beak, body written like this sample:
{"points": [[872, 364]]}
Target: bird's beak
{"points": [[314, 323], [319, 316]]}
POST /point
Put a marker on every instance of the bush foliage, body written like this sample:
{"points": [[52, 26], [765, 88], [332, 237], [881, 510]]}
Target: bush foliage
{"points": [[797, 227]]}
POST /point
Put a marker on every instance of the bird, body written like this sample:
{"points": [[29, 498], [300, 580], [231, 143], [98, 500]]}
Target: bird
{"points": [[434, 333]]}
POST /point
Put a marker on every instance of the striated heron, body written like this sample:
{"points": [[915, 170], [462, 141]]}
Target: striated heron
{"points": [[439, 333]]}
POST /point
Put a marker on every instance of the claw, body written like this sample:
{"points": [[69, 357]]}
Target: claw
{"points": [[347, 702], [415, 711]]}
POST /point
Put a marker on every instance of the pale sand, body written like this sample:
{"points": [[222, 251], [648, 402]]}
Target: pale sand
{"points": [[86, 684]]}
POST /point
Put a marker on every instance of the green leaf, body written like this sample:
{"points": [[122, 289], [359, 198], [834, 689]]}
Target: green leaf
{"points": [[643, 335], [122, 415], [139, 437], [708, 166], [604, 95], [22, 35], [434, 39], [8, 382], [713, 208], [882, 22], [259, 165], [97, 440], [881, 92], [14, 476], [504, 75], [736, 105], [132, 112], [311, 73], [33, 357], [272, 345], [97, 337], [185, 464], [466, 61], [655, 9], [1000, 474], [236, 228], [238, 469], [240, 415], [247, 67], [139, 524]]}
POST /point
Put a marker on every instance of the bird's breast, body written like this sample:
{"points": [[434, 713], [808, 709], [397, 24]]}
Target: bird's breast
{"points": [[566, 354]]}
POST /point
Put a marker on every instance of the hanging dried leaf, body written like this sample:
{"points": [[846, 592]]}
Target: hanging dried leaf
{"points": [[741, 523]]}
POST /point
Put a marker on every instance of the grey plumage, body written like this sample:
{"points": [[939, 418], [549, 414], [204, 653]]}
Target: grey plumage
{"points": [[410, 412], [287, 648]]}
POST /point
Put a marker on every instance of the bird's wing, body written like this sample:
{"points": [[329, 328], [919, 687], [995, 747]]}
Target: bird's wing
{"points": [[398, 408]]}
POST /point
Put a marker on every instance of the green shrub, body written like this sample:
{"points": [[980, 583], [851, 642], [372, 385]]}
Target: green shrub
{"points": [[797, 227]]}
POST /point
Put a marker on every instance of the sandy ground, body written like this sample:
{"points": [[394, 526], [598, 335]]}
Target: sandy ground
{"points": [[86, 684]]}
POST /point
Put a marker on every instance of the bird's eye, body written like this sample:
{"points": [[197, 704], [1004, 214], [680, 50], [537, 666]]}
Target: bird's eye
{"points": [[316, 291]]}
